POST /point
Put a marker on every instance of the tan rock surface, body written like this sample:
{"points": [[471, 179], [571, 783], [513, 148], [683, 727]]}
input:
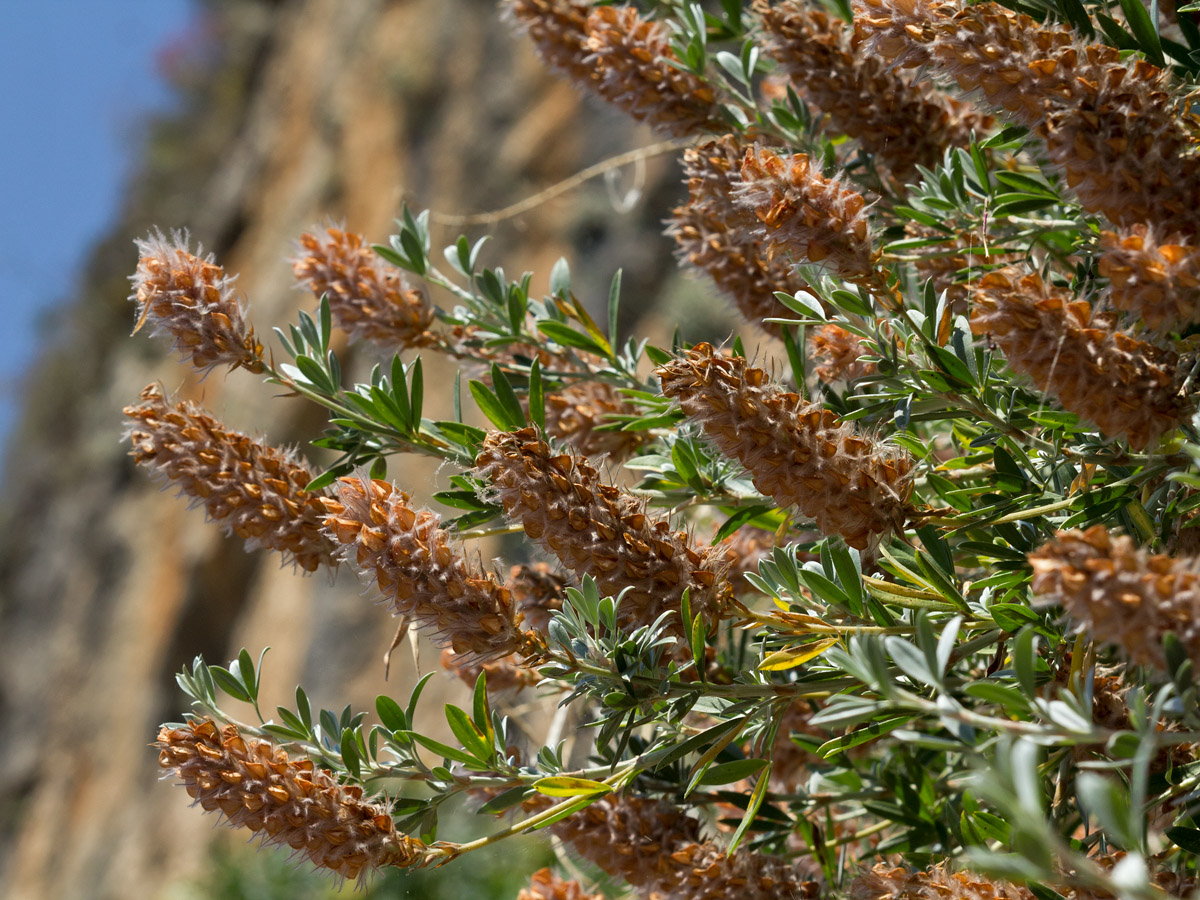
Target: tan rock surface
{"points": [[107, 585]]}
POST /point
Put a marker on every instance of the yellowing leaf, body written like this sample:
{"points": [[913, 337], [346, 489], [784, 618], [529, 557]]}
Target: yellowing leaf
{"points": [[562, 786], [790, 657]]}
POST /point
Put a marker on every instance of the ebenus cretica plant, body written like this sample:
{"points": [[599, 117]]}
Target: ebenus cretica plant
{"points": [[893, 594]]}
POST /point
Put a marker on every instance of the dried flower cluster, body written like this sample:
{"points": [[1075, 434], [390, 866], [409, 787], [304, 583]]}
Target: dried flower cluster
{"points": [[558, 29], [1155, 280], [614, 52], [545, 885], [191, 299], [806, 217], [885, 882], [578, 413], [1119, 594], [718, 237], [902, 124], [368, 297], [798, 453], [254, 785], [253, 490], [839, 353], [417, 571], [597, 529], [1108, 124], [1122, 385], [952, 261], [633, 63], [656, 847]]}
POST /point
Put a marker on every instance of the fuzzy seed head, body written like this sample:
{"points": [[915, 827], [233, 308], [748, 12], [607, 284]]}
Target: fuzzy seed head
{"points": [[656, 847], [251, 489], [1152, 278], [545, 885], [797, 453], [368, 298], [558, 29], [253, 784], [419, 574], [839, 353], [885, 882], [597, 529], [716, 236], [190, 298], [1108, 123], [505, 675], [630, 58], [903, 124], [537, 592], [806, 217], [1124, 386], [1119, 594], [578, 412]]}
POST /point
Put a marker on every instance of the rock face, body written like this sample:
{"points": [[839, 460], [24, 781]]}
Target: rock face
{"points": [[296, 111]]}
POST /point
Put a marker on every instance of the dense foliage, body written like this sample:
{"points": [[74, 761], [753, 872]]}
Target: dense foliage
{"points": [[908, 609]]}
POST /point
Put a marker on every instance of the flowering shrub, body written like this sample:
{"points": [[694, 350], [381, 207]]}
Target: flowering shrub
{"points": [[908, 611]]}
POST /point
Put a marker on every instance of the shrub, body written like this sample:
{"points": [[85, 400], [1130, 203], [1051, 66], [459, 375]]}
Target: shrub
{"points": [[943, 640]]}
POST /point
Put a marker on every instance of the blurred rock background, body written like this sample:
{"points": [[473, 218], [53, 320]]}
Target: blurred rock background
{"points": [[290, 113]]}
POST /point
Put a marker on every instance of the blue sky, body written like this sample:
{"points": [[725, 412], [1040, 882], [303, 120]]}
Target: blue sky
{"points": [[80, 77]]}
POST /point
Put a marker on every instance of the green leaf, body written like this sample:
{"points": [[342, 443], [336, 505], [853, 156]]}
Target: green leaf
{"points": [[480, 714], [506, 800], [315, 374], [863, 735], [350, 755], [727, 773], [1025, 662], [441, 749], [472, 739], [489, 404], [508, 398], [565, 786], [418, 393], [229, 683], [564, 334], [390, 713], [614, 307], [560, 278], [756, 800], [791, 657], [1144, 29], [1185, 838], [537, 399]]}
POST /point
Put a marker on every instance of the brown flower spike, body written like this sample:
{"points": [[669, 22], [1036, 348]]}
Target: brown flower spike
{"points": [[191, 298], [253, 490], [715, 235], [558, 29], [1110, 124], [806, 217], [368, 298], [656, 847], [1122, 385], [902, 124], [631, 56], [578, 412], [796, 452], [254, 785], [545, 885], [420, 575], [839, 353], [1120, 594], [1154, 279], [599, 530], [886, 882]]}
